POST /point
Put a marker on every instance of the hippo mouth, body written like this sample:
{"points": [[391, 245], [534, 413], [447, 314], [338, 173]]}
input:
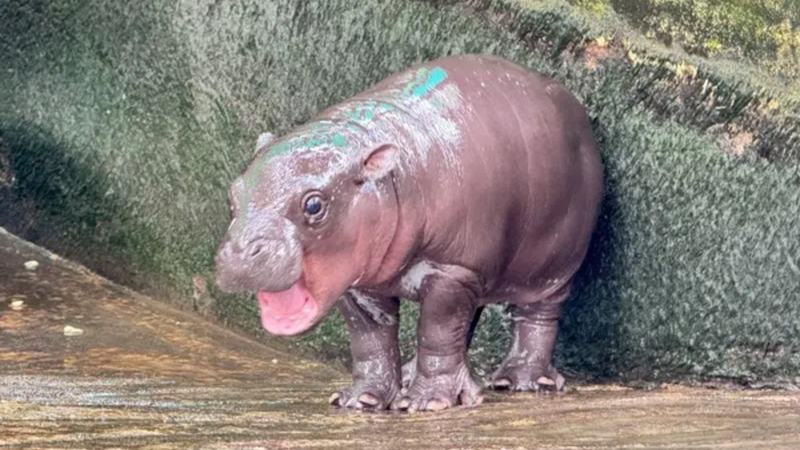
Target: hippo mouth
{"points": [[289, 312]]}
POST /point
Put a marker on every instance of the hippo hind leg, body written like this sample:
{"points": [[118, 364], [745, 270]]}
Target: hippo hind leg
{"points": [[528, 365]]}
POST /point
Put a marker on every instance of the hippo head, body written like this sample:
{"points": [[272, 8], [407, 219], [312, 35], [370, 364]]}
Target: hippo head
{"points": [[312, 215]]}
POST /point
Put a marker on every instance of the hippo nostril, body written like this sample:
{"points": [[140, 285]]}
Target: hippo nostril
{"points": [[256, 250]]}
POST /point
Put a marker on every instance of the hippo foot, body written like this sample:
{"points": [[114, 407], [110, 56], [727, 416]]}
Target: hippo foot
{"points": [[366, 394], [438, 392], [519, 375]]}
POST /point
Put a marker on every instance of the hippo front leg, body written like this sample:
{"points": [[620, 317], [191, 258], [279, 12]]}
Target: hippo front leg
{"points": [[442, 378], [373, 325]]}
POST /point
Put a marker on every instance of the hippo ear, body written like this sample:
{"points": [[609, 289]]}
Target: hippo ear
{"points": [[379, 163], [263, 139]]}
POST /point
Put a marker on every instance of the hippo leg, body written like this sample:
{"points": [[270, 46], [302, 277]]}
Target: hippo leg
{"points": [[442, 377], [410, 368], [528, 365], [409, 372], [373, 325]]}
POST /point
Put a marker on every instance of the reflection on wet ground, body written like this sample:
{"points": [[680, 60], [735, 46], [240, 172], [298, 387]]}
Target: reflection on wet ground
{"points": [[87, 364]]}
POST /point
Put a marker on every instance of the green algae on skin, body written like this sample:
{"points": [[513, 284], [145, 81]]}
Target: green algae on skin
{"points": [[423, 85], [357, 114], [425, 82], [308, 141]]}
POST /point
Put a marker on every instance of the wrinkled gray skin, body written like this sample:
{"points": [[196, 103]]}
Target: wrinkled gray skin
{"points": [[457, 183]]}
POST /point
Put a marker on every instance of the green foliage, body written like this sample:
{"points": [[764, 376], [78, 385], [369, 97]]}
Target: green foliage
{"points": [[750, 120], [126, 121], [689, 240], [764, 31]]}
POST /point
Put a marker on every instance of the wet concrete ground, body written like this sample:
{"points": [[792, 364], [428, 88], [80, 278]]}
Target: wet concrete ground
{"points": [[143, 375]]}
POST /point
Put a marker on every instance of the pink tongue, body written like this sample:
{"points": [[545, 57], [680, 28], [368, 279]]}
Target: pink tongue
{"points": [[287, 302], [288, 312]]}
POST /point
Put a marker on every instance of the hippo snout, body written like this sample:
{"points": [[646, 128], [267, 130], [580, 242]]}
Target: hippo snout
{"points": [[261, 256]]}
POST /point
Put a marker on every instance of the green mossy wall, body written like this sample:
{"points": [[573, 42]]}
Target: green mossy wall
{"points": [[125, 122]]}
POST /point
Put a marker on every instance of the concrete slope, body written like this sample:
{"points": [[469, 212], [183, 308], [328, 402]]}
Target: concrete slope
{"points": [[134, 373]]}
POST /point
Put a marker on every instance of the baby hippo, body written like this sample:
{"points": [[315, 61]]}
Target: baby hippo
{"points": [[457, 183]]}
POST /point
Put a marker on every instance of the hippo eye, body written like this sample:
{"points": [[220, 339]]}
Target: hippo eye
{"points": [[313, 207]]}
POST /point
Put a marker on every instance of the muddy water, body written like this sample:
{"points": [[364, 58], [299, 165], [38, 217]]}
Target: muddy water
{"points": [[134, 373]]}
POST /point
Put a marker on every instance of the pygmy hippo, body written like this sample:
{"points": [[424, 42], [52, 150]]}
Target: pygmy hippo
{"points": [[457, 183]]}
